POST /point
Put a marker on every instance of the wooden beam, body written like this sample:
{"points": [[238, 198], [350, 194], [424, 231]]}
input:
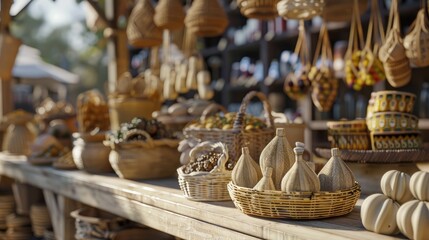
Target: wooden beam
{"points": [[4, 13]]}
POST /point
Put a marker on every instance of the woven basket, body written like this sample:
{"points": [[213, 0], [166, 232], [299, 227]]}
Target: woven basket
{"points": [[206, 18], [9, 47], [237, 137], [416, 42], [341, 10], [205, 187], [168, 15], [141, 29], [348, 135], [396, 140], [92, 157], [147, 159], [296, 205], [259, 9], [300, 9]]}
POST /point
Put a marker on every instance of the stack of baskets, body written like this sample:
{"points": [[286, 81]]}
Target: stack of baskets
{"points": [[18, 227], [40, 219], [352, 135], [390, 121], [7, 206]]}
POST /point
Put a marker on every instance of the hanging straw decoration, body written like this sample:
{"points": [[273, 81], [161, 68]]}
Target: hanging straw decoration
{"points": [[341, 10], [259, 9], [417, 40], [392, 52], [141, 29], [300, 9], [297, 83], [169, 14], [323, 81], [206, 18]]}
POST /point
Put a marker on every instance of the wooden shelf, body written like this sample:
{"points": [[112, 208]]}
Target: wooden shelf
{"points": [[318, 125]]}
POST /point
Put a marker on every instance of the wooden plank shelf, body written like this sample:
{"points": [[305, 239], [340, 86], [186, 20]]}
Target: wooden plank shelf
{"points": [[160, 204]]}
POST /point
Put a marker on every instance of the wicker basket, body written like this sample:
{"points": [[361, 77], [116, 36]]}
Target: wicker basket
{"points": [[416, 42], [348, 134], [168, 15], [342, 10], [147, 159], [259, 9], [92, 157], [300, 9], [392, 101], [205, 187], [392, 122], [141, 29], [396, 140], [296, 205], [237, 137], [206, 18]]}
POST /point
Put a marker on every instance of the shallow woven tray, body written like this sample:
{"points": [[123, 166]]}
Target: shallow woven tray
{"points": [[379, 156], [297, 205]]}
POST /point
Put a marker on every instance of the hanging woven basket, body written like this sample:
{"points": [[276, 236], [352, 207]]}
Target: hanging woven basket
{"points": [[300, 9], [206, 18], [169, 14], [341, 10], [259, 9], [141, 29]]}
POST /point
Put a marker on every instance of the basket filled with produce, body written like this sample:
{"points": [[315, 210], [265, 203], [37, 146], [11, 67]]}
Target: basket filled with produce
{"points": [[142, 149]]}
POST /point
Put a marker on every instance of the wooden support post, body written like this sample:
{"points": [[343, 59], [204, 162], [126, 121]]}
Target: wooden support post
{"points": [[59, 209], [6, 97]]}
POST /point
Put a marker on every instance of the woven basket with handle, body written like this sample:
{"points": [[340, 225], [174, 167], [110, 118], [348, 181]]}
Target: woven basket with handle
{"points": [[206, 18], [259, 9], [141, 29], [169, 14], [237, 137]]}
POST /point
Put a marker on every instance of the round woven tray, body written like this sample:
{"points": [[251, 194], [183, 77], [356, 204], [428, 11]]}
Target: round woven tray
{"points": [[379, 156], [296, 205]]}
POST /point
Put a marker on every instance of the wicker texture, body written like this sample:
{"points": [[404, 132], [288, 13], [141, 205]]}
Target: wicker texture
{"points": [[259, 9], [145, 159], [296, 205], [300, 9], [40, 219], [7, 207], [391, 101], [396, 140], [141, 29], [349, 135], [169, 14], [416, 42], [341, 10], [392, 122], [237, 137], [206, 18]]}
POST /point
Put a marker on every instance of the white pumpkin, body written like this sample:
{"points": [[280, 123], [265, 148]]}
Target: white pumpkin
{"points": [[419, 185], [413, 219], [378, 214], [395, 184]]}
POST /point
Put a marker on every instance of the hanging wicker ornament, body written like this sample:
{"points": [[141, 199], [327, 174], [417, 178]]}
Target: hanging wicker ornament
{"points": [[141, 29], [206, 18], [169, 14], [259, 9], [324, 84], [300, 9], [297, 84], [341, 10]]}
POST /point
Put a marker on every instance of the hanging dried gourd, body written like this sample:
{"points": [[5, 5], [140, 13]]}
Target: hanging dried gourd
{"points": [[392, 52], [297, 84], [266, 183], [246, 172], [206, 18], [324, 84], [335, 175], [169, 14], [300, 9], [262, 10], [417, 40], [300, 178], [278, 155], [204, 90], [364, 68], [141, 30]]}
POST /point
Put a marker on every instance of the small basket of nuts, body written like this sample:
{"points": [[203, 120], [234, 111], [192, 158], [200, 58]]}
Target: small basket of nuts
{"points": [[206, 175]]}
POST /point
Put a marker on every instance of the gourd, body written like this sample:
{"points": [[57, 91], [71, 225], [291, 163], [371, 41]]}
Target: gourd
{"points": [[277, 155], [395, 184], [191, 77], [182, 71], [204, 90], [246, 172], [413, 219], [300, 178], [419, 185], [169, 88], [335, 175], [378, 213], [266, 183]]}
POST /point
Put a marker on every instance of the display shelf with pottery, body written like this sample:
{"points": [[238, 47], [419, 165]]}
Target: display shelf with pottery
{"points": [[368, 166]]}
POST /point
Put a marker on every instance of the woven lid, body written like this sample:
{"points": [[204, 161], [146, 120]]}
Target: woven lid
{"points": [[206, 18], [169, 14], [141, 29]]}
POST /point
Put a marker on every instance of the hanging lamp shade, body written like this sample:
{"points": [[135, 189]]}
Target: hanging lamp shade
{"points": [[141, 29], [206, 18], [169, 14], [258, 9]]}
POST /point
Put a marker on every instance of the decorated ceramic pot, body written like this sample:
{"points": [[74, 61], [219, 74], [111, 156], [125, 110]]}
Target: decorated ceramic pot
{"points": [[393, 101], [392, 121], [351, 135]]}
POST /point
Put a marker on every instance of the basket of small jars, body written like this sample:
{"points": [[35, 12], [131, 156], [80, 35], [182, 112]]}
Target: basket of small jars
{"points": [[206, 174], [293, 190], [142, 149], [349, 134], [235, 129]]}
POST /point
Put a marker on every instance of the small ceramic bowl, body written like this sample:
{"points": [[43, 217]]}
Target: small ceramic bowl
{"points": [[392, 122], [393, 101]]}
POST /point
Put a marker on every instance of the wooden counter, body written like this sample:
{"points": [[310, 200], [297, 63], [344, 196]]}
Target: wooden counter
{"points": [[159, 204]]}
